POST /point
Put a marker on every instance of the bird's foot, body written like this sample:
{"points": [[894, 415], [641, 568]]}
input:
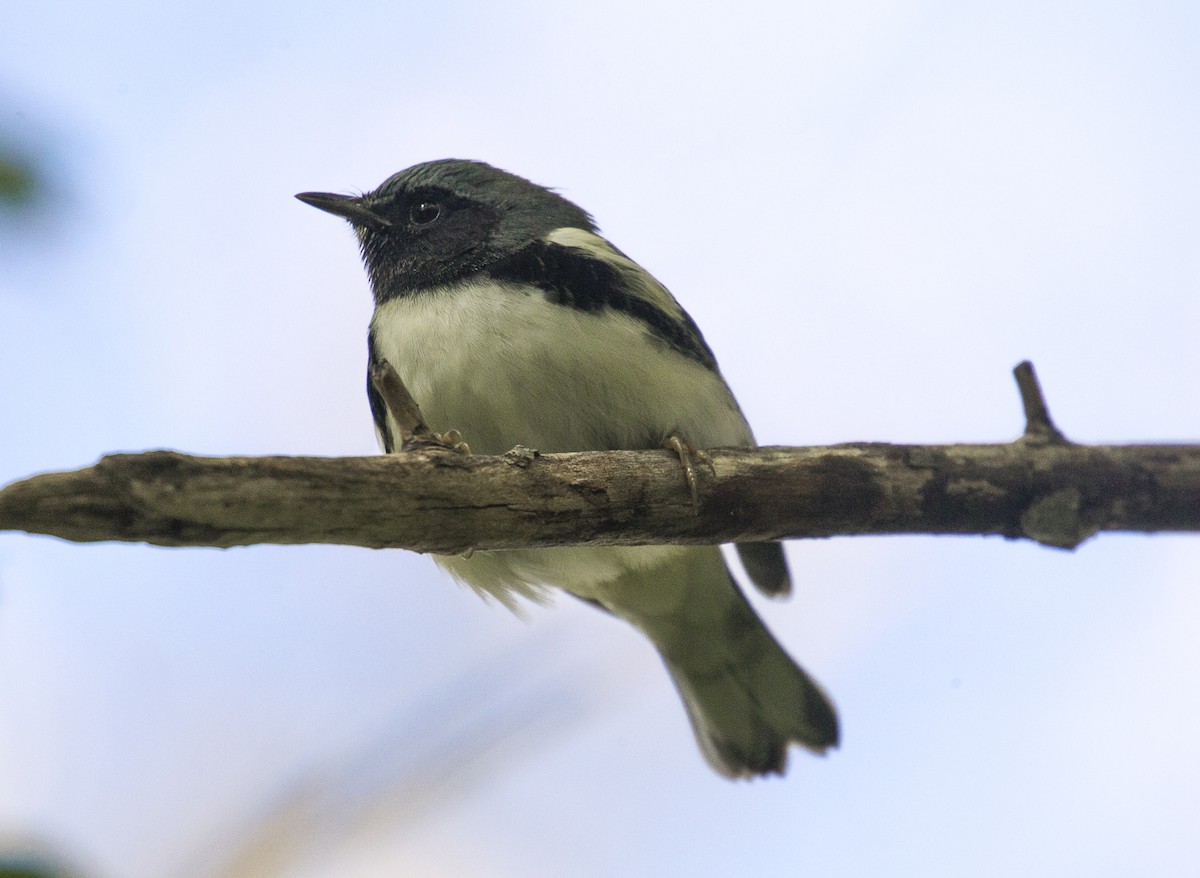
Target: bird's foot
{"points": [[451, 440]]}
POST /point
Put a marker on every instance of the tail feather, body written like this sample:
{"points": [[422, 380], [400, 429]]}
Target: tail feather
{"points": [[747, 700], [766, 567], [744, 721], [747, 708]]}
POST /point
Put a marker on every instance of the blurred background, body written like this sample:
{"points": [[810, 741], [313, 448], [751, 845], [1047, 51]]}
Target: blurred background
{"points": [[874, 211]]}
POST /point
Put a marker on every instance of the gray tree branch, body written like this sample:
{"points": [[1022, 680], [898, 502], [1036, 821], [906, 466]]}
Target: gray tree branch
{"points": [[433, 499]]}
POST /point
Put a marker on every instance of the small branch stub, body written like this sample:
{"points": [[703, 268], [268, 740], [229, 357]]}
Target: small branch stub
{"points": [[415, 434], [1038, 426], [400, 403]]}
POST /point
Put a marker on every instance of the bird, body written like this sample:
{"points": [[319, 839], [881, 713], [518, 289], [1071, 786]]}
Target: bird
{"points": [[513, 321]]}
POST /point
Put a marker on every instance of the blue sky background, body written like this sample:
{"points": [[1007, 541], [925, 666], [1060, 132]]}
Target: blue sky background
{"points": [[873, 210]]}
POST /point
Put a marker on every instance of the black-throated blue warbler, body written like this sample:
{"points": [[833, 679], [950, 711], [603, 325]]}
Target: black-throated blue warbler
{"points": [[511, 320]]}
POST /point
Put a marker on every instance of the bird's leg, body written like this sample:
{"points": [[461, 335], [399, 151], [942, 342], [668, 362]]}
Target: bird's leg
{"points": [[688, 454]]}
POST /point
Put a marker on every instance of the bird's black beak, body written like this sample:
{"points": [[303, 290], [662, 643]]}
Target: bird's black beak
{"points": [[348, 207]]}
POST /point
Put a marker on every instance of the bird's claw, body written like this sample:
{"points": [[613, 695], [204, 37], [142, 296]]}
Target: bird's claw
{"points": [[687, 457], [451, 440]]}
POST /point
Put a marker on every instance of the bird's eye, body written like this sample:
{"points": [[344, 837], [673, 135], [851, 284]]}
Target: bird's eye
{"points": [[423, 213]]}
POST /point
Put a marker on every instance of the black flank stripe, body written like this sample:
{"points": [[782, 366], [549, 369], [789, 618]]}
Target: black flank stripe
{"points": [[575, 279]]}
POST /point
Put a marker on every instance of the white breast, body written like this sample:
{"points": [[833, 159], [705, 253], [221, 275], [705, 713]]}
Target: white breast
{"points": [[504, 366]]}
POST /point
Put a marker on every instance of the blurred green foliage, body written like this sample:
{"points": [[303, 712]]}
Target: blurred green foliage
{"points": [[28, 870], [18, 185]]}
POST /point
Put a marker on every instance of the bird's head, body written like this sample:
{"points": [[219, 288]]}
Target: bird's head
{"points": [[443, 221]]}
